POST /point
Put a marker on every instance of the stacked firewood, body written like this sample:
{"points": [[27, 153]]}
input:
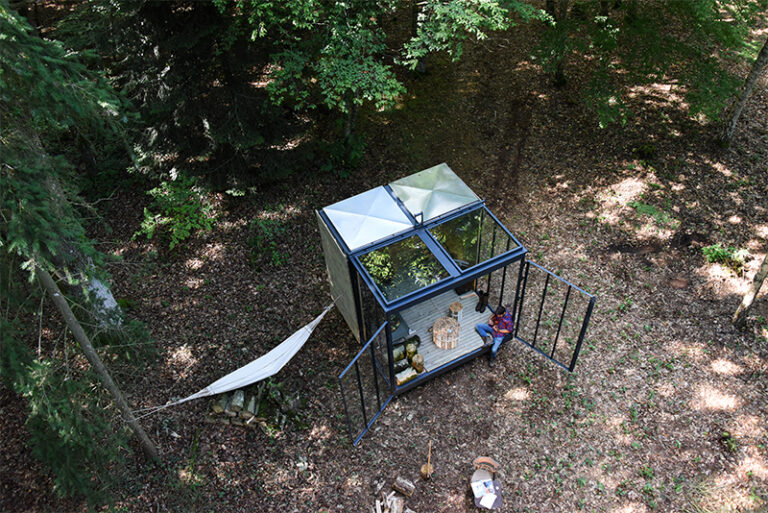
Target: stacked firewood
{"points": [[394, 502], [244, 407], [408, 362]]}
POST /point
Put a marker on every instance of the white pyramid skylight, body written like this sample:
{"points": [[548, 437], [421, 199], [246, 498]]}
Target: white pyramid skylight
{"points": [[433, 192], [367, 217]]}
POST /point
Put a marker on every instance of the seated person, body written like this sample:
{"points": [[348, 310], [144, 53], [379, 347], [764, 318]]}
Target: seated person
{"points": [[499, 325]]}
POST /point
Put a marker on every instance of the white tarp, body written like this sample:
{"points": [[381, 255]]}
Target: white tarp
{"points": [[367, 217], [259, 369], [433, 192]]}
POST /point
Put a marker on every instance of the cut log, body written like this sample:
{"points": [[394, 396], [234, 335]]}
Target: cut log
{"points": [[238, 398], [410, 350], [404, 377], [415, 340], [418, 362], [404, 486], [401, 365], [250, 409], [228, 408], [254, 420], [397, 505], [398, 353], [236, 421], [220, 405]]}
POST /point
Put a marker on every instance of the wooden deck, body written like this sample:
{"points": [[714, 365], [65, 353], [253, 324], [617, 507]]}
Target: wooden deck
{"points": [[421, 317]]}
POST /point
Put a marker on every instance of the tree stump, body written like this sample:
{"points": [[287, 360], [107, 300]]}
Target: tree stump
{"points": [[454, 310]]}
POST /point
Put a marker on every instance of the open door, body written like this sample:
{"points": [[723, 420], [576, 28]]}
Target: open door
{"points": [[552, 315], [365, 386]]}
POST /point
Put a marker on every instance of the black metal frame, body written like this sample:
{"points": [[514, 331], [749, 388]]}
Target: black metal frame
{"points": [[360, 279], [518, 315], [376, 372]]}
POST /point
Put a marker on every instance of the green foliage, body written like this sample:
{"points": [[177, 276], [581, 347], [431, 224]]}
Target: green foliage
{"points": [[729, 442], [730, 256], [265, 241], [331, 53], [47, 95], [68, 427], [662, 218], [342, 156], [180, 209], [69, 420], [446, 26]]}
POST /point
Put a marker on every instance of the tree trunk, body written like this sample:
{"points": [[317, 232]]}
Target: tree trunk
{"points": [[85, 344], [558, 9], [97, 295], [604, 7], [741, 312], [349, 127], [729, 128]]}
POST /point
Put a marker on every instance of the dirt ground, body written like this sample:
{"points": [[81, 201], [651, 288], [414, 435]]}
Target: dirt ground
{"points": [[667, 409]]}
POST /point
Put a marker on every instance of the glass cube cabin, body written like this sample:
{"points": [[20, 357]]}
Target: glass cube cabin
{"points": [[398, 255]]}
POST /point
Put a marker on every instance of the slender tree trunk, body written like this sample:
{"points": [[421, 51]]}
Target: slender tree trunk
{"points": [[729, 128], [560, 14], [85, 344], [741, 312], [604, 7], [350, 120]]}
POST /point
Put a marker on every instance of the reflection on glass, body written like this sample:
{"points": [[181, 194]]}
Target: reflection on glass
{"points": [[473, 238], [403, 267]]}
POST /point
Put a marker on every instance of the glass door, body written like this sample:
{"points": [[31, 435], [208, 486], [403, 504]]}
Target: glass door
{"points": [[365, 387]]}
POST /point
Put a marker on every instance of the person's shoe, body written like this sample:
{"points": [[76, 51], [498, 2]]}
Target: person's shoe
{"points": [[492, 360], [487, 341]]}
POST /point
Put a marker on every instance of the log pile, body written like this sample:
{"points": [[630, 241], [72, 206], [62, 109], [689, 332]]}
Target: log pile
{"points": [[408, 362], [394, 502], [247, 407]]}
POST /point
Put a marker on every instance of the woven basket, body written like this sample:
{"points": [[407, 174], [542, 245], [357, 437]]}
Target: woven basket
{"points": [[445, 333]]}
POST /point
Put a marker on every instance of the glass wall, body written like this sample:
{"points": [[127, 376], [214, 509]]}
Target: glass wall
{"points": [[373, 317], [473, 238], [403, 267]]}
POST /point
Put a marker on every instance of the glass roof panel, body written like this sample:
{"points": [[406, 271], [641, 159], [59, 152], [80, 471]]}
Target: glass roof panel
{"points": [[367, 217], [473, 238], [433, 192], [403, 267]]}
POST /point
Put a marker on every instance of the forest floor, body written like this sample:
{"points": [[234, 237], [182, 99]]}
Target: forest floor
{"points": [[667, 409]]}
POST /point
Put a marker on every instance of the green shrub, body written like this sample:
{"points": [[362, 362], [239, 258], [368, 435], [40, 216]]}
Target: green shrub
{"points": [[182, 209], [264, 240], [728, 256]]}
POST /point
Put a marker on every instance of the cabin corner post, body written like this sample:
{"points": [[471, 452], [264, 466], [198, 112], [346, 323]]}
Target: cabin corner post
{"points": [[390, 351], [358, 299]]}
